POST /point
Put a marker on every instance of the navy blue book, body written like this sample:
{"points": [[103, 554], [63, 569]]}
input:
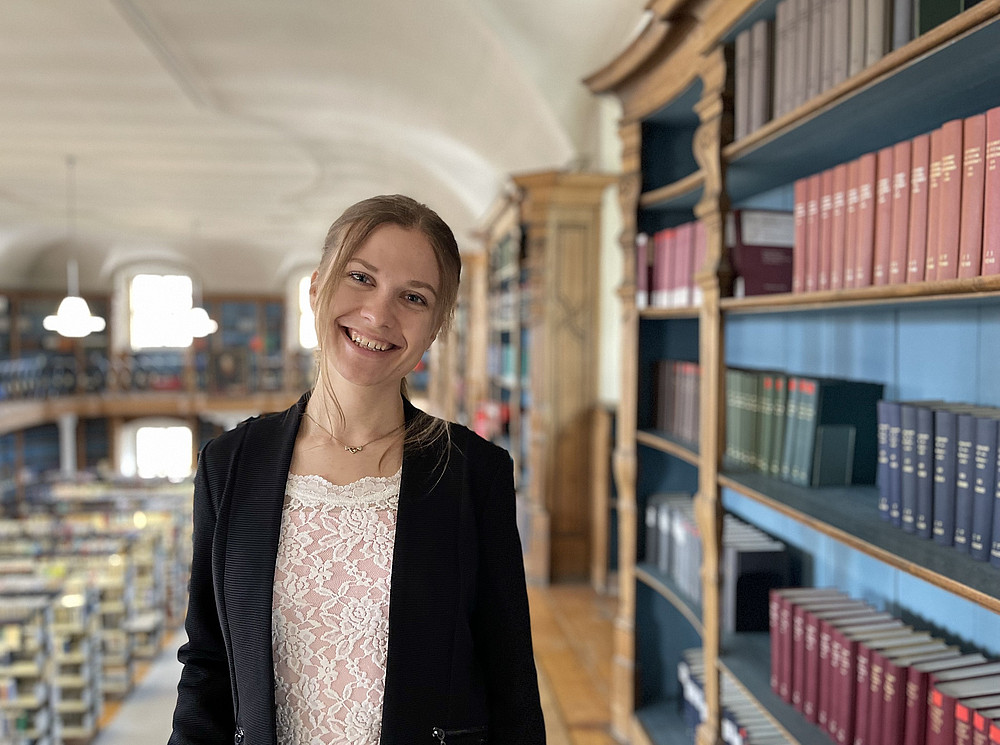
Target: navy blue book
{"points": [[983, 485], [894, 487], [923, 518], [995, 533], [882, 439], [965, 433], [943, 527], [907, 468]]}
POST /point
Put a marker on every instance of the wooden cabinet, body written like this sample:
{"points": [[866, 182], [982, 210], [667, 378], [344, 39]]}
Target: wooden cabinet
{"points": [[929, 340], [541, 278]]}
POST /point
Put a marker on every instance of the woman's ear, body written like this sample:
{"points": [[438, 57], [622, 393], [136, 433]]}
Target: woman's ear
{"points": [[313, 290]]}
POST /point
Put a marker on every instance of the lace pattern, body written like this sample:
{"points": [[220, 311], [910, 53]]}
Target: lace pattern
{"points": [[330, 609]]}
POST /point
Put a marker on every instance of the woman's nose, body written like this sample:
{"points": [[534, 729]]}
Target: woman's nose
{"points": [[377, 309]]}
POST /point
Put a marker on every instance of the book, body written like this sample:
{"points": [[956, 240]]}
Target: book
{"points": [[933, 243], [838, 226], [916, 234], [762, 251], [945, 445], [907, 467], [878, 30], [865, 235], [683, 265], [900, 211], [923, 517], [814, 185], [662, 281], [965, 708], [761, 73], [965, 433], [856, 40], [814, 50], [782, 61], [984, 470], [840, 39], [741, 84], [888, 718], [918, 677], [970, 241], [780, 609], [887, 412], [823, 259], [991, 207], [941, 708], [902, 22], [850, 246], [641, 271], [950, 208], [816, 652], [800, 200], [751, 568], [806, 617], [779, 420]]}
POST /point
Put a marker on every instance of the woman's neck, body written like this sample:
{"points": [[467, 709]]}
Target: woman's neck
{"points": [[362, 414]]}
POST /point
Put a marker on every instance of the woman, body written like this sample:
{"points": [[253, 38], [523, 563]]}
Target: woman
{"points": [[357, 575]]}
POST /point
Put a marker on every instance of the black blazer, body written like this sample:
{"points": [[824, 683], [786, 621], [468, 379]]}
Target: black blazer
{"points": [[459, 654]]}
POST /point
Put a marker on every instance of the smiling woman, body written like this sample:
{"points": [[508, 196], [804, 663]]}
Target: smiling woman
{"points": [[357, 574]]}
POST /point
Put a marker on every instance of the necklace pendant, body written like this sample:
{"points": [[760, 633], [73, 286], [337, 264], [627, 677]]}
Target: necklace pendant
{"points": [[354, 450]]}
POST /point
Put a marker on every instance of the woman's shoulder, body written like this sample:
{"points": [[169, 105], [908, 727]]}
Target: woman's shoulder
{"points": [[229, 442]]}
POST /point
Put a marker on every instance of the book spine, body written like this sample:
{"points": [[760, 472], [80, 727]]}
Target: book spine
{"points": [[916, 243], [761, 68], [800, 77], [838, 227], [914, 727], [991, 208], [856, 40], [780, 399], [791, 428], [983, 487], [782, 62], [970, 243], [801, 199], [882, 440], [893, 450], [877, 30], [741, 85], [814, 50], [825, 229], [774, 631], [864, 683], [865, 236], [812, 233], [884, 170], [965, 431], [900, 211], [641, 271], [951, 199], [850, 247], [933, 246], [892, 714], [808, 403], [945, 441], [907, 466], [995, 532], [902, 22], [924, 464]]}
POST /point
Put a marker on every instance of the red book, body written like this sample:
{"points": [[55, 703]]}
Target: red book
{"points": [[884, 171], [871, 701], [865, 235], [829, 660], [941, 706], [800, 648], [970, 240], [900, 211], [991, 208], [842, 614], [684, 263], [916, 246], [951, 199], [799, 252], [838, 227], [662, 268], [825, 228], [917, 686], [851, 243], [890, 716], [641, 271], [965, 711], [814, 186], [933, 207], [780, 604], [982, 719]]}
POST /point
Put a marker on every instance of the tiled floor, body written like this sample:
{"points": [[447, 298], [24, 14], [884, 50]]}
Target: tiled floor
{"points": [[571, 626]]}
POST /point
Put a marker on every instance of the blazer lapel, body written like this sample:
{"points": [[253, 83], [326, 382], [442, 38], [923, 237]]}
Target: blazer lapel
{"points": [[257, 497]]}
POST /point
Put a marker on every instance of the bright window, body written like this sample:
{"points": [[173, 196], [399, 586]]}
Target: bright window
{"points": [[159, 311], [163, 452], [307, 324]]}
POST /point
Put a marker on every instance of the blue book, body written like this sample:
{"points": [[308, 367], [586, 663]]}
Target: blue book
{"points": [[882, 438], [983, 485], [907, 468], [923, 517], [965, 433], [943, 526]]}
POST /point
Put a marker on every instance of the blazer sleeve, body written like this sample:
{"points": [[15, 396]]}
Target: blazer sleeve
{"points": [[204, 709], [502, 620]]}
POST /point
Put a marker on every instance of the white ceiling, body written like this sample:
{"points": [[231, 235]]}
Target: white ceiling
{"points": [[227, 134]]}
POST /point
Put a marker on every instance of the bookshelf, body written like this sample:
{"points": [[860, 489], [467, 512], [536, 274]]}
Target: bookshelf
{"points": [[927, 340], [541, 243]]}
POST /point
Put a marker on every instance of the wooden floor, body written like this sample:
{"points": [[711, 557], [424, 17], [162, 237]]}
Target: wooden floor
{"points": [[571, 630]]}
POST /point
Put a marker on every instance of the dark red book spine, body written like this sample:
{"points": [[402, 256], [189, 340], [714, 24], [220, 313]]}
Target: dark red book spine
{"points": [[900, 211], [825, 228], [851, 244], [865, 235], [970, 242], [916, 244], [838, 227], [951, 199], [812, 232], [883, 216], [799, 252], [991, 208], [933, 207]]}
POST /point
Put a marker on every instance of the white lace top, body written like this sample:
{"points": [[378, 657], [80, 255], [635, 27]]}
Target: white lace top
{"points": [[330, 609]]}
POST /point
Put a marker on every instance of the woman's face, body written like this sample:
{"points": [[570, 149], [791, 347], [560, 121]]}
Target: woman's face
{"points": [[383, 314]]}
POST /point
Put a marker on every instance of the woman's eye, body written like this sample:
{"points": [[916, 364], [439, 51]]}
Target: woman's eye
{"points": [[360, 277], [412, 297]]}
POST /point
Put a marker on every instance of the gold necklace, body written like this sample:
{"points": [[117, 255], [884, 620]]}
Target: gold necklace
{"points": [[354, 449]]}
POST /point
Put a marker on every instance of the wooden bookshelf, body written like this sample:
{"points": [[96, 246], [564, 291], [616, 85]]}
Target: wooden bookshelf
{"points": [[681, 67]]}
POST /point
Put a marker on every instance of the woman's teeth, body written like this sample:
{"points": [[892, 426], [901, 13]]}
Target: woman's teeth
{"points": [[366, 343]]}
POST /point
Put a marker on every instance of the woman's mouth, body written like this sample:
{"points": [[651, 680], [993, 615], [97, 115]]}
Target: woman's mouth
{"points": [[365, 342]]}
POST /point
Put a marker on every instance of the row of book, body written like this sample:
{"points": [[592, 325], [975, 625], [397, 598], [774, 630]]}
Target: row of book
{"points": [[743, 721], [752, 562], [939, 473], [807, 430], [865, 678], [813, 45], [924, 209], [676, 396], [666, 264]]}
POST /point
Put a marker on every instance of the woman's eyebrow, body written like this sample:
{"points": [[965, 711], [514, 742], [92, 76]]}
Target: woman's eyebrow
{"points": [[415, 282]]}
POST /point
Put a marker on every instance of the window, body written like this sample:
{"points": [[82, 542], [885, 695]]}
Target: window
{"points": [[307, 323], [159, 310], [163, 452]]}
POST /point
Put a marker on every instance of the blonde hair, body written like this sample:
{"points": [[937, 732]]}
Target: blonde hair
{"points": [[346, 237]]}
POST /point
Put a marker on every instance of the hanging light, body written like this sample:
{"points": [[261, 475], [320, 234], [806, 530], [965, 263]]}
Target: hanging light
{"points": [[72, 318]]}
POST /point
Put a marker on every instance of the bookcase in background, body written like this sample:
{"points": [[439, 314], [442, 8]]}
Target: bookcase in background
{"points": [[542, 244], [928, 340]]}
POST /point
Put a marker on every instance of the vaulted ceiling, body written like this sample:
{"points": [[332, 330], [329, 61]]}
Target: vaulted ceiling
{"points": [[225, 135]]}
